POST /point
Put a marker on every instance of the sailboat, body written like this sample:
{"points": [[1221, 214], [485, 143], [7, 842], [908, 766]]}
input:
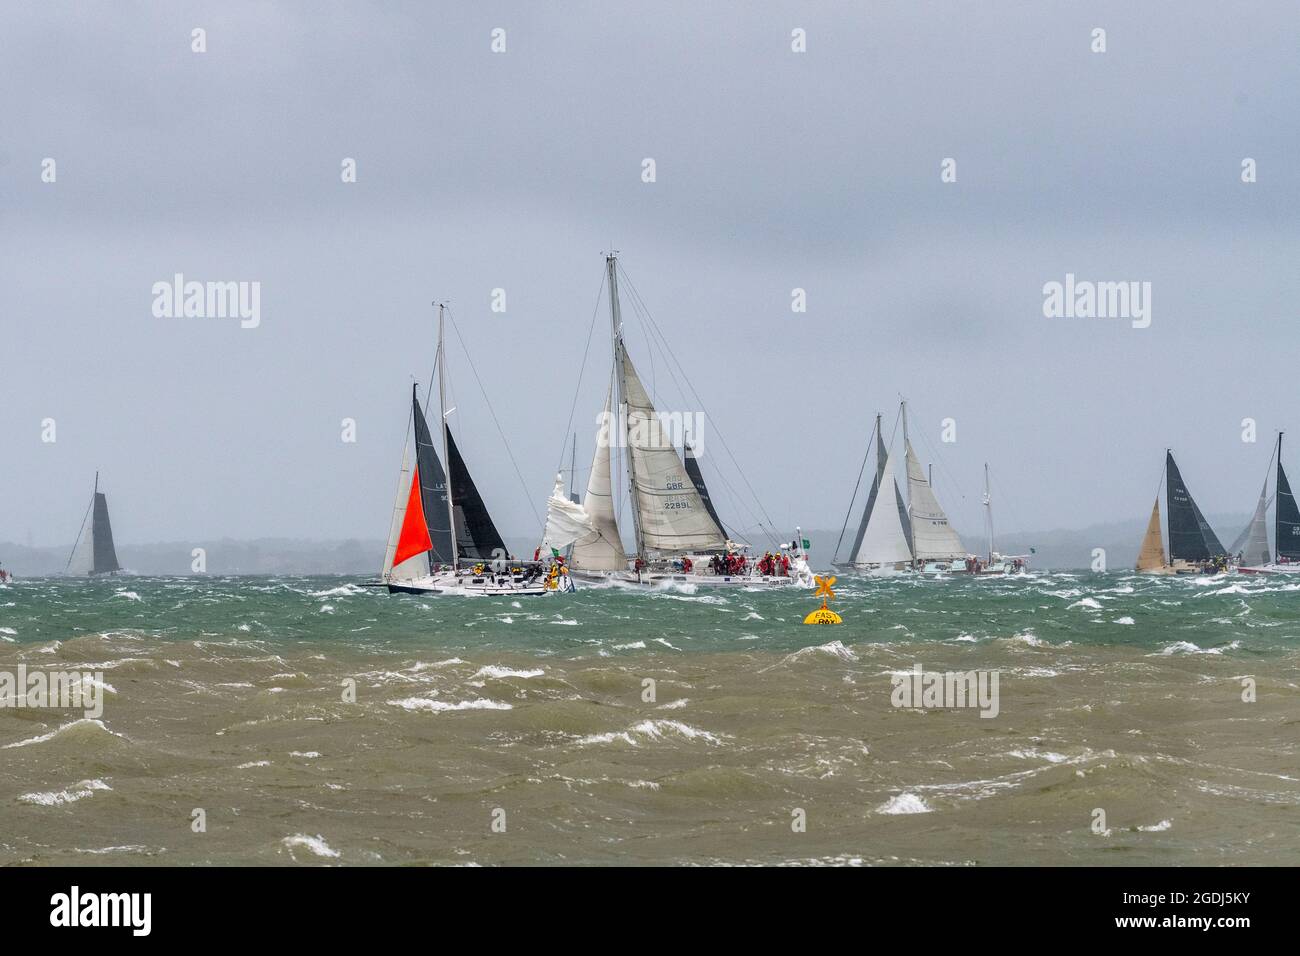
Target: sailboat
{"points": [[678, 535], [1194, 548], [441, 539], [93, 551], [894, 537], [1252, 543]]}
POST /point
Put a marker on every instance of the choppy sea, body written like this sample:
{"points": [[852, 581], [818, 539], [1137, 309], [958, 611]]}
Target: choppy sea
{"points": [[250, 720]]}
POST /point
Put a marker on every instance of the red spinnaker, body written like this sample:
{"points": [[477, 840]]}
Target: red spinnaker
{"points": [[415, 530]]}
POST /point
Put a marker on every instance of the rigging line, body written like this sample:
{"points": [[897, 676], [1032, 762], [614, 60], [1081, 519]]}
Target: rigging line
{"points": [[856, 487], [577, 388], [673, 357], [78, 540], [496, 421]]}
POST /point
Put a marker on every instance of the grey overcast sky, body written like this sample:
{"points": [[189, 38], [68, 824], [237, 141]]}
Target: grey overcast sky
{"points": [[775, 170]]}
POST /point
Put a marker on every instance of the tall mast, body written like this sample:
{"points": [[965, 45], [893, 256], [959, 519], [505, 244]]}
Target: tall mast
{"points": [[442, 420], [616, 320]]}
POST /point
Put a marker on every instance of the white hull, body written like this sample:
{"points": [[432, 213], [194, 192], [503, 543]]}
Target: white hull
{"points": [[468, 584], [1271, 569], [800, 576]]}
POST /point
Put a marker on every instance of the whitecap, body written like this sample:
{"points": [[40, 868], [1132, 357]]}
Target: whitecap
{"points": [[904, 803], [315, 844], [58, 798]]}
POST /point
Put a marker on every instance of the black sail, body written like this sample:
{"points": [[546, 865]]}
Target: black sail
{"points": [[697, 479], [477, 538], [101, 537], [1190, 535], [1287, 530], [433, 487]]}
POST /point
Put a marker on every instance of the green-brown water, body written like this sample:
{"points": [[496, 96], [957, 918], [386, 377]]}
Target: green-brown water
{"points": [[1116, 693]]}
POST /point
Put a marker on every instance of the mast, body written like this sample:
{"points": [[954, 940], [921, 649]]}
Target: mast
{"points": [[988, 509], [442, 418], [616, 321], [903, 403]]}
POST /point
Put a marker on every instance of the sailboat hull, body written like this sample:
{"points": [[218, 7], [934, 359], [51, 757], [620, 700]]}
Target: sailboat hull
{"points": [[468, 584], [657, 579]]}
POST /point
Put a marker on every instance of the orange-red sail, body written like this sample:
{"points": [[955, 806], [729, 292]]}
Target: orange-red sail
{"points": [[414, 538]]}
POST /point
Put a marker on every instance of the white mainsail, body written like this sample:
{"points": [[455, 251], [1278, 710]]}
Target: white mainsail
{"points": [[602, 549], [933, 539], [672, 515], [884, 541], [413, 567], [566, 522]]}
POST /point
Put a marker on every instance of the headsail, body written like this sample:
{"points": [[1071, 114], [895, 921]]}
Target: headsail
{"points": [[477, 537], [933, 539], [602, 550], [883, 540], [566, 522], [1190, 535], [1152, 555], [871, 497], [1252, 543], [673, 517], [415, 563], [697, 479]]}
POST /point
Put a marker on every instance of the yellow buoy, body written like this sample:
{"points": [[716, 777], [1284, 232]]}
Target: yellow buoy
{"points": [[823, 615]]}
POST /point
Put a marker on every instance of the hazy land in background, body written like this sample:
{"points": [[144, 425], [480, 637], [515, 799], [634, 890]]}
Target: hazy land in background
{"points": [[1058, 548]]}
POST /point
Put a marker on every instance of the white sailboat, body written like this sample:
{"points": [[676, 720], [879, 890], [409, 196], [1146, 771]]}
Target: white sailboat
{"points": [[1251, 549], [894, 538], [678, 535], [994, 562], [93, 552], [441, 539]]}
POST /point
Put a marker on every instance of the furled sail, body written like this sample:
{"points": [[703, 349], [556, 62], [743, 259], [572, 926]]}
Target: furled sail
{"points": [[477, 538], [1287, 529], [697, 479], [672, 514], [602, 550], [433, 487], [883, 539], [1252, 543], [933, 539], [1152, 555], [1190, 535], [566, 522]]}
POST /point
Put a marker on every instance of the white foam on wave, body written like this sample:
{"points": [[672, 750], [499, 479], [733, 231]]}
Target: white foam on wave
{"points": [[89, 722], [633, 646], [1187, 647], [904, 803], [439, 706], [650, 730], [1092, 604], [498, 672], [1124, 620], [253, 763], [58, 798], [343, 590], [313, 844], [129, 595], [1157, 827], [834, 649]]}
